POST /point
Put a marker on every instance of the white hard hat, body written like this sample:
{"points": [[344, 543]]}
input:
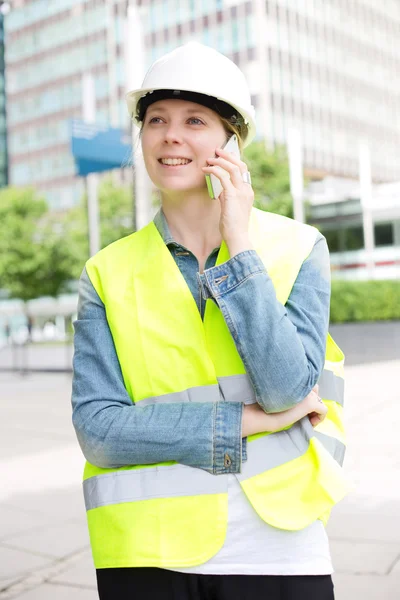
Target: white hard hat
{"points": [[201, 74]]}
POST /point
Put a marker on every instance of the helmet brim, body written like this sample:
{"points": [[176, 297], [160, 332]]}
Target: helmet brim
{"points": [[133, 98]]}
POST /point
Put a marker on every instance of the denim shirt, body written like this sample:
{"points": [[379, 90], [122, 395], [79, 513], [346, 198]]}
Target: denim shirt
{"points": [[282, 348]]}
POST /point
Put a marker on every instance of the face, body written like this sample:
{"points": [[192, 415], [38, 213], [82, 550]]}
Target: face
{"points": [[177, 138]]}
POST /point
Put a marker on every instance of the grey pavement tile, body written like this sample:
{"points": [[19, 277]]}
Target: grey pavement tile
{"points": [[396, 565], [12, 442], [49, 591], [14, 520], [8, 581], [14, 563], [359, 523], [363, 557], [82, 572], [65, 504], [366, 587], [56, 541]]}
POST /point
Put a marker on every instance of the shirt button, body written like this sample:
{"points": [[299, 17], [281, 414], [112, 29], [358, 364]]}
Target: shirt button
{"points": [[227, 460]]}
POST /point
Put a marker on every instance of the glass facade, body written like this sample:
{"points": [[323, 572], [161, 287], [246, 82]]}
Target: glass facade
{"points": [[50, 46], [330, 69], [3, 114]]}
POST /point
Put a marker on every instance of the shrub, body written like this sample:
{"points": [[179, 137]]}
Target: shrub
{"points": [[365, 301]]}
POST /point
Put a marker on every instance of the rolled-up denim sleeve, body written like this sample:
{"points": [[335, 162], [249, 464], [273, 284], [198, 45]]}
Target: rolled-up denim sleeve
{"points": [[282, 347], [113, 431]]}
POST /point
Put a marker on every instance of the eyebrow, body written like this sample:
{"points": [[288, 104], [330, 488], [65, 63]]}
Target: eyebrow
{"points": [[187, 111]]}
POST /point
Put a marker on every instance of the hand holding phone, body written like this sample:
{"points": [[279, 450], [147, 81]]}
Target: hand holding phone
{"points": [[213, 183]]}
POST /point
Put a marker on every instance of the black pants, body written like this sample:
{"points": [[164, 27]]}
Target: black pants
{"points": [[159, 584]]}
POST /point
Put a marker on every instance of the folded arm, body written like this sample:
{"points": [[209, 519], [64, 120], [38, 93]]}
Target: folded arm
{"points": [[282, 347]]}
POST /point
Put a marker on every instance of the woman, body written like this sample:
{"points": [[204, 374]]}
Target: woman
{"points": [[199, 346]]}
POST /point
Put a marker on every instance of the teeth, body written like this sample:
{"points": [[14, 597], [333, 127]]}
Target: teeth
{"points": [[174, 161]]}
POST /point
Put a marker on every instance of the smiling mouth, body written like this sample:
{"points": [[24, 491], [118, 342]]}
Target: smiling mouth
{"points": [[174, 162]]}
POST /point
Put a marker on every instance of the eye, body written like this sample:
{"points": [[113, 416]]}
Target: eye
{"points": [[199, 121], [154, 119]]}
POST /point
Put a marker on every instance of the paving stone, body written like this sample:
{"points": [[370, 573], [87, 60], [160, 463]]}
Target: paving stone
{"points": [[14, 520], [7, 582], [396, 566], [379, 525], [56, 541], [363, 557], [58, 592], [14, 563], [58, 503], [366, 587], [82, 572], [12, 442]]}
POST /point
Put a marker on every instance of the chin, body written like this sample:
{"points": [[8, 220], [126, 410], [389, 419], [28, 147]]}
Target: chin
{"points": [[181, 186]]}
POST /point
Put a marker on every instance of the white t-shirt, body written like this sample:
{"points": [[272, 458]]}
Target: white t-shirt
{"points": [[252, 547]]}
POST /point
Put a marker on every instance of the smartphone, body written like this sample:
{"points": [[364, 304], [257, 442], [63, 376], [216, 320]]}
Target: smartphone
{"points": [[213, 183]]}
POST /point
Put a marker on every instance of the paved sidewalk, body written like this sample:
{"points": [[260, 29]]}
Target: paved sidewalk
{"points": [[44, 547]]}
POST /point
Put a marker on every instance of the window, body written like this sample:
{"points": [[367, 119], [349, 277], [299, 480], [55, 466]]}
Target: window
{"points": [[332, 239], [384, 234], [353, 238]]}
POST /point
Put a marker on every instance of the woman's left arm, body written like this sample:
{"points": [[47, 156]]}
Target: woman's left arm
{"points": [[282, 347]]}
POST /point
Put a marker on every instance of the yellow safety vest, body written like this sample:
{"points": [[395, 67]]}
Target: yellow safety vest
{"points": [[171, 515]]}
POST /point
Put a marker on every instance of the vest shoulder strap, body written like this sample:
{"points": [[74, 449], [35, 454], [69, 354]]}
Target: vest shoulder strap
{"points": [[110, 264]]}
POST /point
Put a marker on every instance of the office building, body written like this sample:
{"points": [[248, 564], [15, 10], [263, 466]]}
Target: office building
{"points": [[335, 207], [3, 114], [327, 67]]}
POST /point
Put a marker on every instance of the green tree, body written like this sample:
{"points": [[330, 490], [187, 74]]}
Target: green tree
{"points": [[116, 221], [270, 178], [35, 259]]}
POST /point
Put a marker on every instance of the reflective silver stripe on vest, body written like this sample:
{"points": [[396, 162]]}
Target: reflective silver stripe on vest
{"points": [[235, 388], [179, 480], [149, 483], [331, 387], [238, 388], [275, 449], [335, 447], [202, 393]]}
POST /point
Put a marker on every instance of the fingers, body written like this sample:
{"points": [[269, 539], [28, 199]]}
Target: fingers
{"points": [[234, 171], [229, 156], [318, 414], [315, 419], [222, 175], [230, 163]]}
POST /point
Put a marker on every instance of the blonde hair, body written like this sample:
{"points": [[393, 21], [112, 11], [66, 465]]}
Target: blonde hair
{"points": [[240, 129]]}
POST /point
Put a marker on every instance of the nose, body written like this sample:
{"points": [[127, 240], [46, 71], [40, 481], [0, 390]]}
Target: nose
{"points": [[172, 134]]}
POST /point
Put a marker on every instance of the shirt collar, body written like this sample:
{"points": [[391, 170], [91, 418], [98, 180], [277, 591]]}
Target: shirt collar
{"points": [[161, 223]]}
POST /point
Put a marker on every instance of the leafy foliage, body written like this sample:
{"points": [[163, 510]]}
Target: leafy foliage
{"points": [[41, 251], [116, 221], [270, 178], [365, 301], [34, 259]]}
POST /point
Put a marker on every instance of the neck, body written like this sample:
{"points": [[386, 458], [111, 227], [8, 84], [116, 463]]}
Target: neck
{"points": [[194, 222]]}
